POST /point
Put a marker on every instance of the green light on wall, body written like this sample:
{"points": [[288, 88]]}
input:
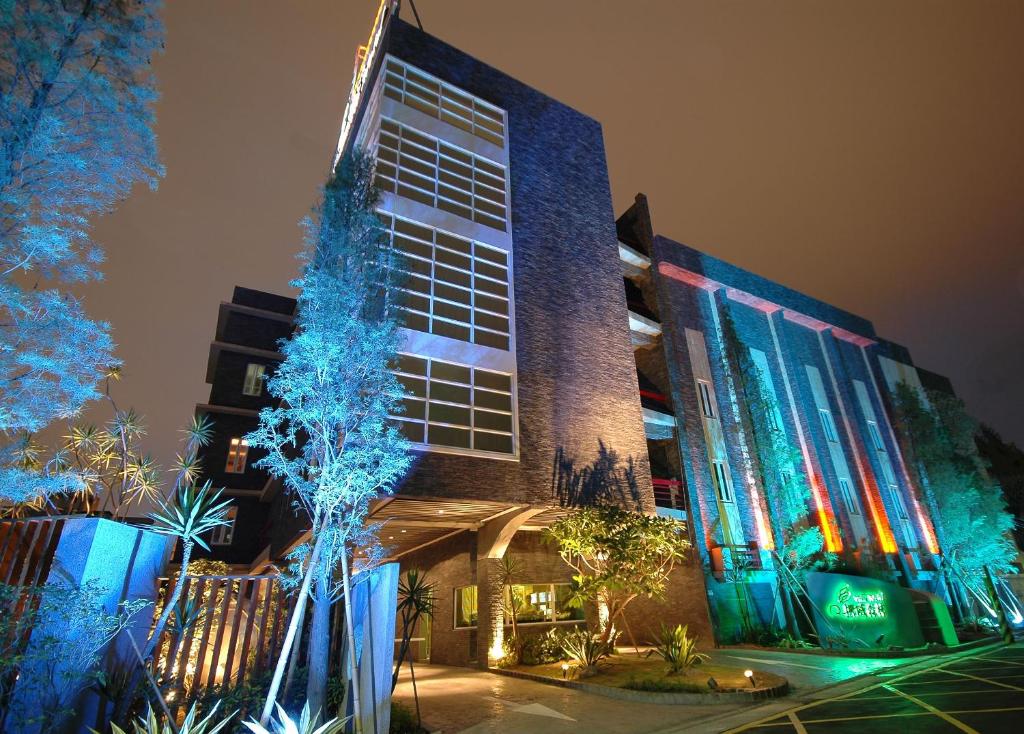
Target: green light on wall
{"points": [[850, 605]]}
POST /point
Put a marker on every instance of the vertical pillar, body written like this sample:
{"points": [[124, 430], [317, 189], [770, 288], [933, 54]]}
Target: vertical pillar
{"points": [[490, 612]]}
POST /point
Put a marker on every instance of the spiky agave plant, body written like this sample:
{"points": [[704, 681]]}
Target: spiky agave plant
{"points": [[193, 512], [152, 724], [284, 724], [678, 649]]}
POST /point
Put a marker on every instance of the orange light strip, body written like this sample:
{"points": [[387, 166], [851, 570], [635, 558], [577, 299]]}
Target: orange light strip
{"points": [[832, 542], [880, 519], [765, 536]]}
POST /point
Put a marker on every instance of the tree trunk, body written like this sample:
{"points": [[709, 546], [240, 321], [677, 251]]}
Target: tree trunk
{"points": [[289, 638], [125, 702], [350, 633], [316, 660]]}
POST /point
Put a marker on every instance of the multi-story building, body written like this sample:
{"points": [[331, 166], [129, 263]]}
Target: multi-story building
{"points": [[542, 335]]}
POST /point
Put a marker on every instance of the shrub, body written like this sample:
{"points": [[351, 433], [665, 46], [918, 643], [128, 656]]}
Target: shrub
{"points": [[587, 648], [403, 720], [678, 649], [543, 648], [661, 685]]}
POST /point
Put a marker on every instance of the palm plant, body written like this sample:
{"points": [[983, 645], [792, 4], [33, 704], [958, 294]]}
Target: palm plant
{"points": [[193, 512], [678, 649], [415, 601], [306, 724], [510, 570]]}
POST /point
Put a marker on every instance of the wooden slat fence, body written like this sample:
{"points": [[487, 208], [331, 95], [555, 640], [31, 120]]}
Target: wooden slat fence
{"points": [[234, 632]]}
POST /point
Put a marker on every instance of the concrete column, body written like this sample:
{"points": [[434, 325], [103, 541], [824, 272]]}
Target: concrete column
{"points": [[490, 612]]}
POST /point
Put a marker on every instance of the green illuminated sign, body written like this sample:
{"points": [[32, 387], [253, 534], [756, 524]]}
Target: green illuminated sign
{"points": [[857, 606]]}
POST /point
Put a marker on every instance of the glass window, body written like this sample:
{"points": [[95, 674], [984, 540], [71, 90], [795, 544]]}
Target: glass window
{"points": [[448, 405], [897, 499], [540, 603], [847, 492], [721, 479], [253, 384], [437, 98], [876, 437], [238, 452], [440, 175], [449, 285], [828, 425], [706, 406], [223, 534], [465, 606]]}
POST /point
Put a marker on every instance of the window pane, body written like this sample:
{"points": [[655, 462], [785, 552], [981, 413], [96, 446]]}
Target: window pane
{"points": [[465, 606], [563, 611], [492, 442], [493, 380], [451, 372], [441, 413], [447, 436]]}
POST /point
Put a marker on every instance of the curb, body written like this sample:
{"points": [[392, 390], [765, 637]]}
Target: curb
{"points": [[732, 696], [874, 654]]}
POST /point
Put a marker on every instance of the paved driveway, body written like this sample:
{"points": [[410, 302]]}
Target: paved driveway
{"points": [[979, 693], [469, 701]]}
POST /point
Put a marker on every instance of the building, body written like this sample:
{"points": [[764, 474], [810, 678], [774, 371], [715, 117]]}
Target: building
{"points": [[543, 333]]}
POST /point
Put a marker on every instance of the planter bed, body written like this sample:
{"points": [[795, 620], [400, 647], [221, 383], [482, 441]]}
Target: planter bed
{"points": [[622, 675]]}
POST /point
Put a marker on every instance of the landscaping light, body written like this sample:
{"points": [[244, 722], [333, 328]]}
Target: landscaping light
{"points": [[749, 674], [565, 671]]}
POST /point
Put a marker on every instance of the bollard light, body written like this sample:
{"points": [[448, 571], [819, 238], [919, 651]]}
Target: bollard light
{"points": [[749, 674], [565, 671]]}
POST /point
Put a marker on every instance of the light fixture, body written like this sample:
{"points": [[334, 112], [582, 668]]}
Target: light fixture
{"points": [[403, 531], [565, 671], [749, 674], [391, 537]]}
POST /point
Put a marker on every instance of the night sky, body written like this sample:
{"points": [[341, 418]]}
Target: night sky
{"points": [[870, 154]]}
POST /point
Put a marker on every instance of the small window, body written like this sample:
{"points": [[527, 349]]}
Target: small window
{"points": [[876, 437], [897, 499], [828, 425], [223, 534], [238, 452], [721, 479], [847, 493], [706, 406], [253, 380], [465, 606]]}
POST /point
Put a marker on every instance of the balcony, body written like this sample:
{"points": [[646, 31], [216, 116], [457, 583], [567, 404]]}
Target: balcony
{"points": [[634, 262]]}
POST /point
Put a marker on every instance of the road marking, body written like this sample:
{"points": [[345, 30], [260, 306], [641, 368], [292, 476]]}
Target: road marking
{"points": [[774, 662], [796, 724], [986, 680], [534, 709], [941, 714], [765, 721]]}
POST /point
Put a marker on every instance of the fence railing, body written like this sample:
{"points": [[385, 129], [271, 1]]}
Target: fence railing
{"points": [[225, 630], [27, 546]]}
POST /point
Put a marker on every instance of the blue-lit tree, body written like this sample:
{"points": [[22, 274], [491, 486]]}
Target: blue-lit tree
{"points": [[330, 439], [76, 134], [967, 508]]}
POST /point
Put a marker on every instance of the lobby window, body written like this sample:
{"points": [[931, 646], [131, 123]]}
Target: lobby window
{"points": [[542, 603], [238, 453], [440, 100], [223, 534], [455, 406], [449, 285], [535, 604], [432, 172], [706, 406], [465, 606], [253, 384], [828, 425], [721, 479], [847, 492], [876, 437]]}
